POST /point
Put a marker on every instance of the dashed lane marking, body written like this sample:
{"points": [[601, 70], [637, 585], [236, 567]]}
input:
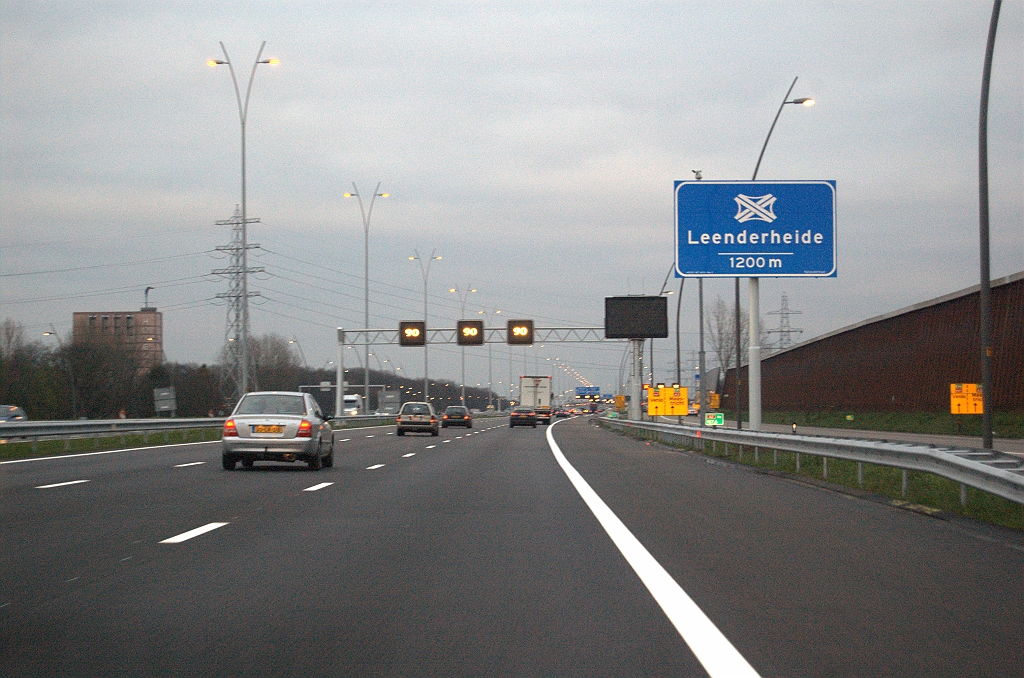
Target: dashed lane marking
{"points": [[375, 466], [712, 649], [345, 440], [70, 482], [430, 447], [411, 454], [185, 536], [191, 463], [317, 487]]}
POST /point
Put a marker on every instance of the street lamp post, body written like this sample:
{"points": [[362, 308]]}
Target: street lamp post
{"points": [[243, 112], [463, 295], [489, 371], [67, 366], [366, 214], [425, 271], [754, 324]]}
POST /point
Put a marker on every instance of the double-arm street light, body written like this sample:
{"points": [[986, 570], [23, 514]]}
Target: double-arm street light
{"points": [[754, 324], [489, 373], [243, 112], [425, 271], [463, 295], [366, 213]]}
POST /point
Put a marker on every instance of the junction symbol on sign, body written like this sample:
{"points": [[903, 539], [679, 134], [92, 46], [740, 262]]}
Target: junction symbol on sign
{"points": [[759, 208]]}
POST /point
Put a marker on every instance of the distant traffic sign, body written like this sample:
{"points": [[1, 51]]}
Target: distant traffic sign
{"points": [[588, 392], [772, 229], [470, 333], [714, 419], [412, 333], [965, 399]]}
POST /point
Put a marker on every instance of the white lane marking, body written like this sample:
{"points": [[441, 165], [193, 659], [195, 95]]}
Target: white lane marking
{"points": [[93, 454], [445, 441], [369, 436], [458, 437], [370, 468], [317, 487], [430, 447], [70, 482], [345, 440], [411, 454], [712, 649], [185, 536], [191, 463], [391, 433]]}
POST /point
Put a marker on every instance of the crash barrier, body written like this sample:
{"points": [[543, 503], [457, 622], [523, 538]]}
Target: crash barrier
{"points": [[995, 472], [101, 428]]}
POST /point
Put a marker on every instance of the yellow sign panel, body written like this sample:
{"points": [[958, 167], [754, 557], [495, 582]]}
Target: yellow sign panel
{"points": [[668, 402], [965, 399], [620, 403], [715, 400]]}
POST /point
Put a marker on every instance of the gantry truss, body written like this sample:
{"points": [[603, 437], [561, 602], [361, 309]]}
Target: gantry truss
{"points": [[492, 335]]}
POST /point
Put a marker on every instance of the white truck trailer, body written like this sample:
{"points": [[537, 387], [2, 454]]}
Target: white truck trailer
{"points": [[535, 392]]}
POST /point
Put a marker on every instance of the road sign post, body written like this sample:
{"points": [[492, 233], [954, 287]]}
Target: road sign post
{"points": [[755, 229]]}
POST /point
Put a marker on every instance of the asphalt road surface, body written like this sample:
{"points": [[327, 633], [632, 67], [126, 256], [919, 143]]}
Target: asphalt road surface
{"points": [[488, 552]]}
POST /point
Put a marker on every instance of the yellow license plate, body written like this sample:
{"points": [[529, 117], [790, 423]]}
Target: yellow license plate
{"points": [[268, 429]]}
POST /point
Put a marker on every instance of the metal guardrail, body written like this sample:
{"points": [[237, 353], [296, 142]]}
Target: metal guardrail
{"points": [[85, 427], [994, 472]]}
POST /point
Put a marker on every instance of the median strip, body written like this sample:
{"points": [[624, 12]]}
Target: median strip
{"points": [[70, 482], [185, 536]]}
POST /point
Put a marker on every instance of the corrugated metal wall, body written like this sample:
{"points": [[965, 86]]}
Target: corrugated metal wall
{"points": [[903, 363]]}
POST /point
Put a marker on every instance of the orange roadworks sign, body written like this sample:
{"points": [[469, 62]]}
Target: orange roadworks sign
{"points": [[965, 399], [667, 401]]}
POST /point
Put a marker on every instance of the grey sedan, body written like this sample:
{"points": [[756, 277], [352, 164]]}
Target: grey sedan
{"points": [[278, 426]]}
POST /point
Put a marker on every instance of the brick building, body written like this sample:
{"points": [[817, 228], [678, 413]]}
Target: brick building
{"points": [[141, 330], [902, 361]]}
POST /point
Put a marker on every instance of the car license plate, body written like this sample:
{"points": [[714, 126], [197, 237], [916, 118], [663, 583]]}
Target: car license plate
{"points": [[267, 429]]}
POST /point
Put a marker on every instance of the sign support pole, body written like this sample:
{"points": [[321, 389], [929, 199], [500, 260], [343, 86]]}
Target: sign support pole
{"points": [[339, 390], [754, 359], [635, 379]]}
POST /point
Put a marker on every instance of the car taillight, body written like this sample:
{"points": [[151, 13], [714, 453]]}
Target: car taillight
{"points": [[305, 430], [398, 419], [466, 417], [444, 416], [432, 419], [230, 429]]}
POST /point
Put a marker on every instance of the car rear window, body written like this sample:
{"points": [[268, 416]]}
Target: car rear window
{"points": [[261, 403], [415, 408], [456, 410]]}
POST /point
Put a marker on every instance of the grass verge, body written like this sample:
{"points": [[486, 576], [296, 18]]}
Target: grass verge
{"points": [[926, 492], [25, 449], [1004, 424]]}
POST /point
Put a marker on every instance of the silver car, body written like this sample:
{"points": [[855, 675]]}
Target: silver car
{"points": [[278, 426], [416, 417]]}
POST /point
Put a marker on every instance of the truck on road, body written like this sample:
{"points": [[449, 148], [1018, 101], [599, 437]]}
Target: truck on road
{"points": [[535, 392]]}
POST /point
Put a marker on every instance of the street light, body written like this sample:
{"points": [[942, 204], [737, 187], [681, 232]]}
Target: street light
{"points": [[425, 271], [295, 340], [754, 289], [462, 316], [366, 213], [243, 112], [67, 366]]}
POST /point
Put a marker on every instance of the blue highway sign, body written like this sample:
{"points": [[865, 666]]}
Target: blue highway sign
{"points": [[755, 229]]}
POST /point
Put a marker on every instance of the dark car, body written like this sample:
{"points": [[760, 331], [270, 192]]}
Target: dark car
{"points": [[522, 416], [278, 426], [12, 413], [456, 415]]}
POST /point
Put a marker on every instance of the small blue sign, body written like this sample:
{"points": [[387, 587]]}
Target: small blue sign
{"points": [[588, 391], [755, 229]]}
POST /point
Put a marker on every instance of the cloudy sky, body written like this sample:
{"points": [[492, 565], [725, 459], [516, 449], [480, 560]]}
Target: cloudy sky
{"points": [[533, 145]]}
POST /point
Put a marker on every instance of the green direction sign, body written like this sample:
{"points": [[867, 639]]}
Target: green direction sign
{"points": [[714, 419]]}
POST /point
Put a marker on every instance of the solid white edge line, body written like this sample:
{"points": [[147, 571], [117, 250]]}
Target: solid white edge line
{"points": [[317, 487], [191, 463], [712, 649], [93, 454], [185, 536], [70, 482]]}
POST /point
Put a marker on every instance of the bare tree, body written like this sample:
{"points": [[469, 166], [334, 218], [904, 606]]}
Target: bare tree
{"points": [[721, 326], [275, 365]]}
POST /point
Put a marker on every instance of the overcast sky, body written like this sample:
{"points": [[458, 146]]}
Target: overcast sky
{"points": [[534, 145]]}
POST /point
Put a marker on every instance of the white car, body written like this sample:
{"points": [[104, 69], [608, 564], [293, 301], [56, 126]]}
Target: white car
{"points": [[278, 426]]}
